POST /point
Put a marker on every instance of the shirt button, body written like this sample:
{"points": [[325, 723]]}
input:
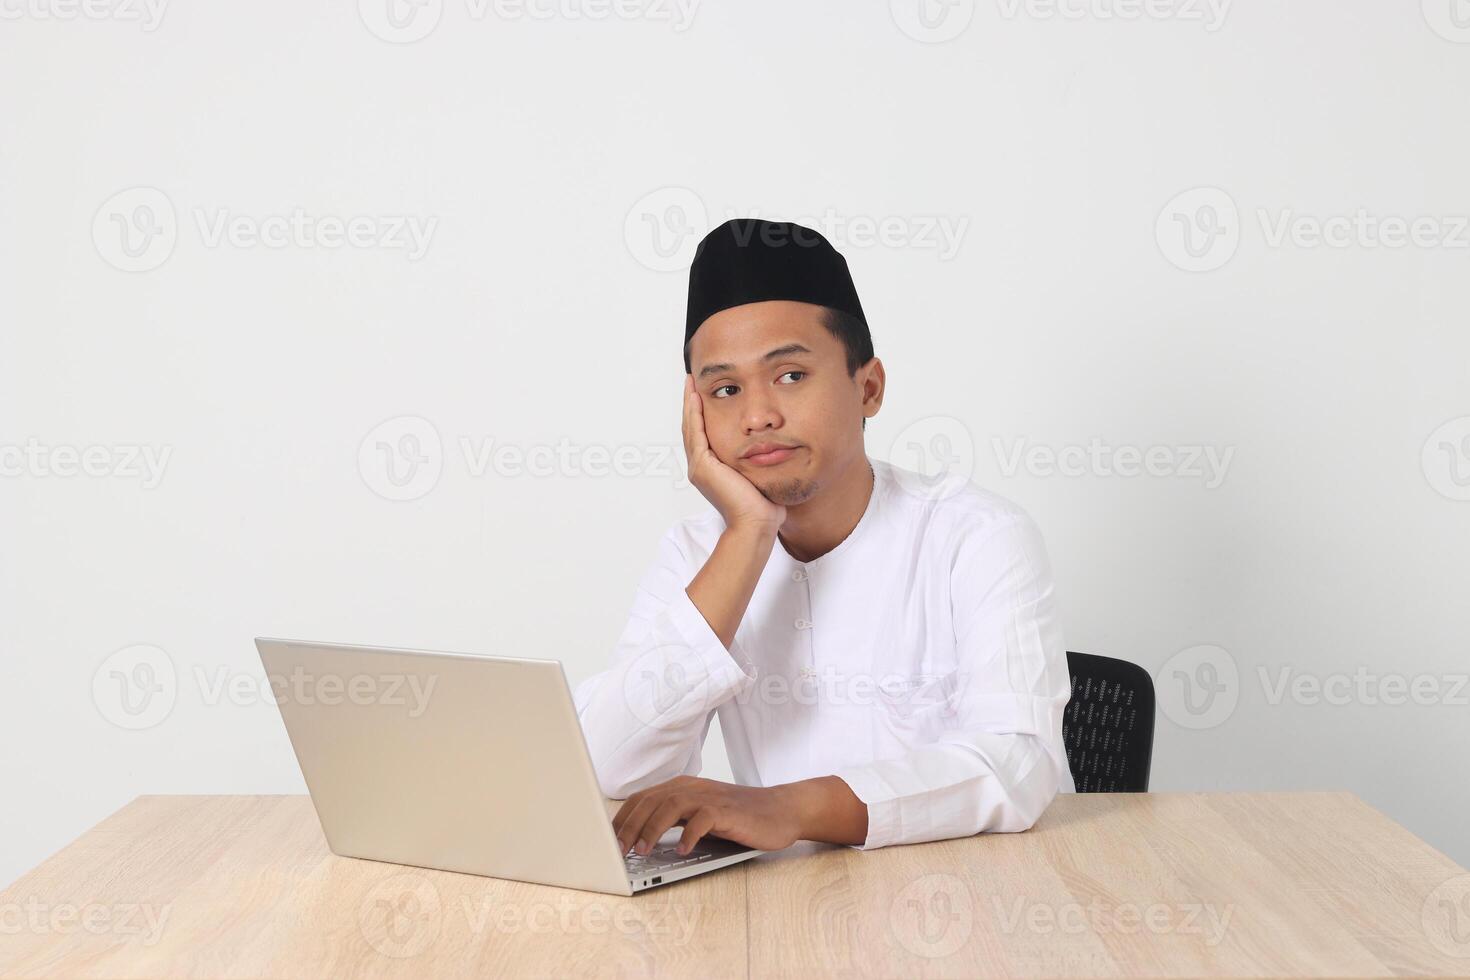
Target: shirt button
{"points": [[802, 624], [798, 575]]}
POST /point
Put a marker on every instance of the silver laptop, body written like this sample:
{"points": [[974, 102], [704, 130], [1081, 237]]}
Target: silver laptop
{"points": [[463, 763]]}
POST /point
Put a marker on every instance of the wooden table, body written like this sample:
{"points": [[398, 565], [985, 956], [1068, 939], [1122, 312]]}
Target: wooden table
{"points": [[1158, 884]]}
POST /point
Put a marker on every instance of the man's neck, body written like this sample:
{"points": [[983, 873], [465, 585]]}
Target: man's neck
{"points": [[821, 524]]}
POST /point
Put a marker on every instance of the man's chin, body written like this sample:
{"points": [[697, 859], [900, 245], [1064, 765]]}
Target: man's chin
{"points": [[789, 492]]}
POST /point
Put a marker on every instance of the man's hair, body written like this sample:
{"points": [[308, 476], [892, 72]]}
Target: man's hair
{"points": [[853, 333]]}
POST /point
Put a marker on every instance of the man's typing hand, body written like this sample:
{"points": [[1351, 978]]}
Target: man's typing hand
{"points": [[767, 818]]}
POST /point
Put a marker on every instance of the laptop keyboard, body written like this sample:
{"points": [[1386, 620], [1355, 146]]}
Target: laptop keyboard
{"points": [[663, 857]]}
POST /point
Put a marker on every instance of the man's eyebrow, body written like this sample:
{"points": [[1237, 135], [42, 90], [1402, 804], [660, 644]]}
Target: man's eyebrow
{"points": [[779, 352]]}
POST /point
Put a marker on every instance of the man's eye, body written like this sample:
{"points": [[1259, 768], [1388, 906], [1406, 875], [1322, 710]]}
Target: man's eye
{"points": [[716, 392], [802, 373]]}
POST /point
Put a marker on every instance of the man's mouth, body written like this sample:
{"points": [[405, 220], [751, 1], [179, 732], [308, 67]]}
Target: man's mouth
{"points": [[769, 454]]}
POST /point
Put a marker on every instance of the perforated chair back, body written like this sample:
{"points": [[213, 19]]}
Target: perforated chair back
{"points": [[1108, 727]]}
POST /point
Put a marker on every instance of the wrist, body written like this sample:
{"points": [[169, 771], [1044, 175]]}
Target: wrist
{"points": [[826, 809]]}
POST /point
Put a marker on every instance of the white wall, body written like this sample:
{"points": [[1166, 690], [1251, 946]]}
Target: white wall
{"points": [[1061, 309]]}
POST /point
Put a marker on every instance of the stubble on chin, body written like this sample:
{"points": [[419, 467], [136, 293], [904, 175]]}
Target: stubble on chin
{"points": [[791, 492]]}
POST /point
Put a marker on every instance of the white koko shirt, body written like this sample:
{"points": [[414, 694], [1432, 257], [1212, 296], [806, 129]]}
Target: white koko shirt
{"points": [[921, 660]]}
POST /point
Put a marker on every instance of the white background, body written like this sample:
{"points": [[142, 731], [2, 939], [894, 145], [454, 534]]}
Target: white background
{"points": [[546, 311]]}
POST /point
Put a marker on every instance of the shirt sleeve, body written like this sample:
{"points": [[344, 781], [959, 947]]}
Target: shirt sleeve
{"points": [[645, 716], [1001, 760]]}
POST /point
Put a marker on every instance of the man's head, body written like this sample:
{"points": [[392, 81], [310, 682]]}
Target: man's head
{"points": [[781, 356]]}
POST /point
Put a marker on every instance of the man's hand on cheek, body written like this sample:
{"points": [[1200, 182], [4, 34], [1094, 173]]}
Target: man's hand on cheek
{"points": [[765, 818]]}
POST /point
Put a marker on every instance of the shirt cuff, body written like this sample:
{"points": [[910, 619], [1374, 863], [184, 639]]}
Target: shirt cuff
{"points": [[725, 671], [883, 822]]}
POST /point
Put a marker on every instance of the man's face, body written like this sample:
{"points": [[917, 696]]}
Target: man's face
{"points": [[772, 374]]}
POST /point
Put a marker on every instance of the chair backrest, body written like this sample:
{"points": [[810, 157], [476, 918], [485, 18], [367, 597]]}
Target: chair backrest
{"points": [[1108, 727]]}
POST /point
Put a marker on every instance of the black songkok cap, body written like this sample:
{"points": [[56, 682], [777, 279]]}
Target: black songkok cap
{"points": [[750, 260]]}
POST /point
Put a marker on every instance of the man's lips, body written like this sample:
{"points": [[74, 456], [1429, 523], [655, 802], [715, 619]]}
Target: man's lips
{"points": [[778, 454]]}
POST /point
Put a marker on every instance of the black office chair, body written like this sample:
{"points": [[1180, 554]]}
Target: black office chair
{"points": [[1108, 727]]}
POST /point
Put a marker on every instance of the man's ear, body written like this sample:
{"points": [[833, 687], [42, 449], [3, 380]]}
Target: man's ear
{"points": [[873, 381]]}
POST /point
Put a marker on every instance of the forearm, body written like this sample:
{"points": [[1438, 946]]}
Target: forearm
{"points": [[827, 810], [723, 588]]}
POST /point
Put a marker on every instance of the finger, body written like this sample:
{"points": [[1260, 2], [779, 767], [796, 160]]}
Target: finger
{"points": [[632, 828], [622, 814], [700, 822], [690, 401], [625, 811], [699, 441], [673, 809]]}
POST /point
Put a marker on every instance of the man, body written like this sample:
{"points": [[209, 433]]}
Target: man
{"points": [[882, 648]]}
